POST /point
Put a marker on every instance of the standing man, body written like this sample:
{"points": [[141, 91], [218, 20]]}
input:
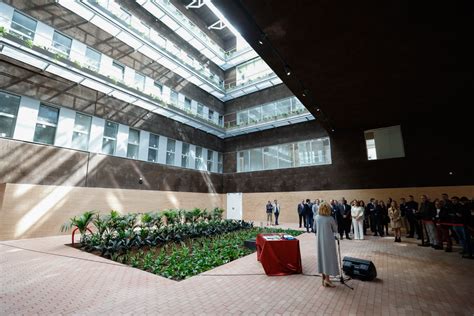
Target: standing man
{"points": [[346, 217], [427, 213], [403, 213], [308, 213], [371, 215], [276, 209], [269, 213], [411, 210], [378, 216], [301, 215]]}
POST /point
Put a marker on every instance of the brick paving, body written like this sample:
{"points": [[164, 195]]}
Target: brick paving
{"points": [[43, 276]]}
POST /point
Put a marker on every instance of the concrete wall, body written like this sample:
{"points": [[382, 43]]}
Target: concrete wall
{"points": [[253, 204], [29, 211], [28, 163], [433, 157]]}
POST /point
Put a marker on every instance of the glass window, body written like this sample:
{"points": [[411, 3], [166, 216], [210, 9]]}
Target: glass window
{"points": [[187, 104], [268, 111], [139, 81], [153, 148], [93, 59], [45, 130], [221, 120], [133, 143], [270, 157], [210, 115], [283, 107], [285, 156], [210, 159], [109, 141], [243, 117], [185, 156], [243, 161], [158, 86], [220, 163], [200, 110], [81, 131], [198, 162], [256, 159], [118, 70], [255, 114], [23, 25], [384, 143], [9, 105], [170, 151], [174, 97], [62, 43]]}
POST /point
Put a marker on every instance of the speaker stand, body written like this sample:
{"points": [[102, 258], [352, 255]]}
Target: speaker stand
{"points": [[341, 273]]}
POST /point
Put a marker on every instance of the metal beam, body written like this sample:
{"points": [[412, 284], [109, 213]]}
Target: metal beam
{"points": [[195, 4], [74, 25], [11, 84], [62, 91], [219, 25]]}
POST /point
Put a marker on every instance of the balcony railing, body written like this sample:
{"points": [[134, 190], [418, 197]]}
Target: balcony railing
{"points": [[265, 113], [113, 9], [77, 59]]}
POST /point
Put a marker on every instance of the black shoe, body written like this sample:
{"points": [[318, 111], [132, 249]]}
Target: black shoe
{"points": [[348, 238], [437, 247]]}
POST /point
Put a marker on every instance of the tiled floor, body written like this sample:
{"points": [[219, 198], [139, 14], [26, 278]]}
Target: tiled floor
{"points": [[42, 276]]}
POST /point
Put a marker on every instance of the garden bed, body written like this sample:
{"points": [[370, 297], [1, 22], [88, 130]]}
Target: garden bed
{"points": [[175, 244]]}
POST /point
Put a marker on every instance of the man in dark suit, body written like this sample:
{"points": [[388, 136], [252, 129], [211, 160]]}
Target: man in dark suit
{"points": [[411, 208], [379, 219], [427, 212], [301, 215], [346, 220], [308, 213], [371, 215]]}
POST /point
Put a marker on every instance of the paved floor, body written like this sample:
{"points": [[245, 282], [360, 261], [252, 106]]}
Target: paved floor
{"points": [[42, 276]]}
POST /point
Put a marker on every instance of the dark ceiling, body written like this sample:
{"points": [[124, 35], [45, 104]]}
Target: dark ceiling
{"points": [[366, 64]]}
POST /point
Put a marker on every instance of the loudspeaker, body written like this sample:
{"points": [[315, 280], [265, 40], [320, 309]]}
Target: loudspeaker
{"points": [[358, 268]]}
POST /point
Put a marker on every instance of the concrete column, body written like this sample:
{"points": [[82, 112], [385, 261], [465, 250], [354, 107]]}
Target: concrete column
{"points": [[162, 150], [122, 141], [143, 148], [78, 52], [43, 35], [26, 119], [97, 134], [65, 128], [178, 153]]}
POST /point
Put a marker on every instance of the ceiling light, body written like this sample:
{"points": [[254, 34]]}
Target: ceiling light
{"points": [[262, 38], [287, 70], [305, 92], [317, 109], [332, 130]]}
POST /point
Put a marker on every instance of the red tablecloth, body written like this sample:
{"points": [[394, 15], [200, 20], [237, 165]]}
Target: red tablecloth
{"points": [[279, 257]]}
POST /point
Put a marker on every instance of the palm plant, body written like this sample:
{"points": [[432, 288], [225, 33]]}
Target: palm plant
{"points": [[81, 223]]}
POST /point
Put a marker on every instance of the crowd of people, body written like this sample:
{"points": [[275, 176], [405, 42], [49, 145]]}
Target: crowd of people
{"points": [[436, 223]]}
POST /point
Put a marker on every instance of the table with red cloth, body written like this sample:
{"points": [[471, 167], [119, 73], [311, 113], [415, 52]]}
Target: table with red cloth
{"points": [[279, 257]]}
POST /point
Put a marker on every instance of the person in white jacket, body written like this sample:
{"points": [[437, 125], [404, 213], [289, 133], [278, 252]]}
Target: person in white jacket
{"points": [[357, 213]]}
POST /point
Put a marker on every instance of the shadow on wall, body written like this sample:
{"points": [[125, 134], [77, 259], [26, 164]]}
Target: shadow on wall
{"points": [[32, 210]]}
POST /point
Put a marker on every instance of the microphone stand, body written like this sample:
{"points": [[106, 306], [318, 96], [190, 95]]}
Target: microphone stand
{"points": [[341, 273]]}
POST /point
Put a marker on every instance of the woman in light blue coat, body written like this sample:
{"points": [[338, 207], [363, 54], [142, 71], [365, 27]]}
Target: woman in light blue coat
{"points": [[325, 228]]}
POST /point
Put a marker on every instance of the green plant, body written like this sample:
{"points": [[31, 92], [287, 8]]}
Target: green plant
{"points": [[80, 222], [29, 43], [217, 213], [3, 31]]}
